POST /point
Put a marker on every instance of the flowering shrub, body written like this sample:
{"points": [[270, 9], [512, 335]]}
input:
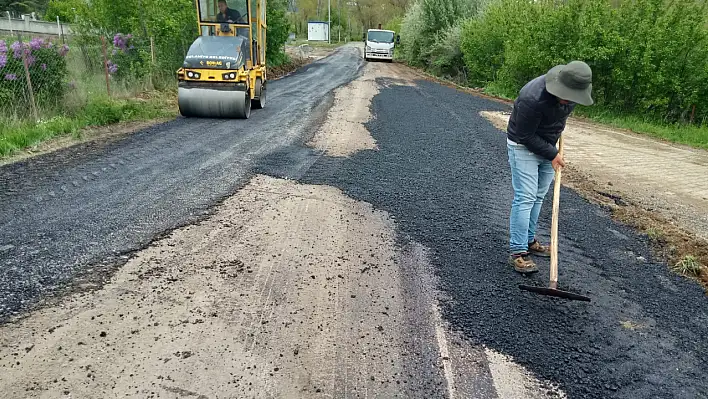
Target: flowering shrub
{"points": [[126, 60], [47, 68]]}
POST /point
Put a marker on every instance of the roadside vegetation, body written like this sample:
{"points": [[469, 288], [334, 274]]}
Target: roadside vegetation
{"points": [[17, 135], [648, 56]]}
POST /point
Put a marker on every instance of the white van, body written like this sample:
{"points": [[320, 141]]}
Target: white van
{"points": [[380, 44]]}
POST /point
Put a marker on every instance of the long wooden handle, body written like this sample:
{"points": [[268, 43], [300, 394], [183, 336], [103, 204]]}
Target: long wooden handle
{"points": [[554, 223]]}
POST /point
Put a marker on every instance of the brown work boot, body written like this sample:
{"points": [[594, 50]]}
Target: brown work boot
{"points": [[535, 248], [522, 263]]}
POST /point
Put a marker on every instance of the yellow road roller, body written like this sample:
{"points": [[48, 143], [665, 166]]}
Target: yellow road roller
{"points": [[224, 72]]}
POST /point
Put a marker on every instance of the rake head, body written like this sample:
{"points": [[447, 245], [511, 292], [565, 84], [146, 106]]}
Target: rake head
{"points": [[554, 292]]}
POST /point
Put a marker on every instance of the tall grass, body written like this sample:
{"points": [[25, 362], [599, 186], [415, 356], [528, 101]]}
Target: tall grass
{"points": [[20, 134]]}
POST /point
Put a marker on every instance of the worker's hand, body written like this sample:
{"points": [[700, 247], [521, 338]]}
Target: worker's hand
{"points": [[558, 162]]}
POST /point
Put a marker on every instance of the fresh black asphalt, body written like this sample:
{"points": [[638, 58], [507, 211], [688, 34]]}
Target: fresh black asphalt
{"points": [[441, 171]]}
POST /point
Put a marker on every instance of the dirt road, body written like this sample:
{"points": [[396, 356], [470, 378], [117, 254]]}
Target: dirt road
{"points": [[351, 246]]}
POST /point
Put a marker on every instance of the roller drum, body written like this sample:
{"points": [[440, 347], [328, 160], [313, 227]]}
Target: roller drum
{"points": [[210, 103]]}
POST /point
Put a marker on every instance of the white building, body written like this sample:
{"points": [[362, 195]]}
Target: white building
{"points": [[318, 31]]}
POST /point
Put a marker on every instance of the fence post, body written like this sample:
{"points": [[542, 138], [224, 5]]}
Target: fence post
{"points": [[105, 66], [29, 80], [152, 49], [154, 62]]}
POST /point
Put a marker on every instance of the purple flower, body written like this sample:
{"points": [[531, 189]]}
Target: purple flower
{"points": [[112, 68], [3, 60], [10, 76], [31, 60], [63, 50], [16, 49], [44, 67], [3, 47], [36, 43], [119, 41]]}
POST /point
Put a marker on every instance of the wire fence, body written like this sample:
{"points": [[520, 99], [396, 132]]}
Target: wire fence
{"points": [[42, 77]]}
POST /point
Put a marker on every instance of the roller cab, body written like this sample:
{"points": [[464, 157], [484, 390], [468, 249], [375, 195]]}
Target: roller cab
{"points": [[224, 72]]}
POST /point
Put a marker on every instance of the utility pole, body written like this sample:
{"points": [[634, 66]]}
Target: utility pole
{"points": [[339, 20], [329, 23]]}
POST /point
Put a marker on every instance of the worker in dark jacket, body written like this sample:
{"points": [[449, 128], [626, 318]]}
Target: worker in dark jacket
{"points": [[228, 15], [536, 123]]}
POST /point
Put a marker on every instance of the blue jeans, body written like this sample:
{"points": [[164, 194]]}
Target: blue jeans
{"points": [[531, 176]]}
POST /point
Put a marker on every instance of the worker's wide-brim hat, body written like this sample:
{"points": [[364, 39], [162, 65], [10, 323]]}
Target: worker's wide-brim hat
{"points": [[571, 82]]}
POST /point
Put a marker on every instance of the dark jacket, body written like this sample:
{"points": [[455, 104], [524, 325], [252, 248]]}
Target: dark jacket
{"points": [[231, 14], [538, 119]]}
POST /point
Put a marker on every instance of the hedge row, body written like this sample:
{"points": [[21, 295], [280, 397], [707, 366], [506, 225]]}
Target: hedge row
{"points": [[648, 56]]}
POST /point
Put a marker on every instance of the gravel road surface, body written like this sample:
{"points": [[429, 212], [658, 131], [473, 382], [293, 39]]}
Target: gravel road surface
{"points": [[339, 264]]}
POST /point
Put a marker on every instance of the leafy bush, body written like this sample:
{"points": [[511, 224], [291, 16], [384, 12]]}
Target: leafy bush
{"points": [[277, 32], [411, 36], [648, 56], [47, 70], [394, 24], [446, 54], [128, 61], [428, 24]]}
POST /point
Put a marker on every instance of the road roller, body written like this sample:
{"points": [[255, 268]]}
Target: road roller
{"points": [[224, 71]]}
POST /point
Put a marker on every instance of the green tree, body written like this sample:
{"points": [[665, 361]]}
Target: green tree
{"points": [[23, 6], [66, 10], [278, 31]]}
